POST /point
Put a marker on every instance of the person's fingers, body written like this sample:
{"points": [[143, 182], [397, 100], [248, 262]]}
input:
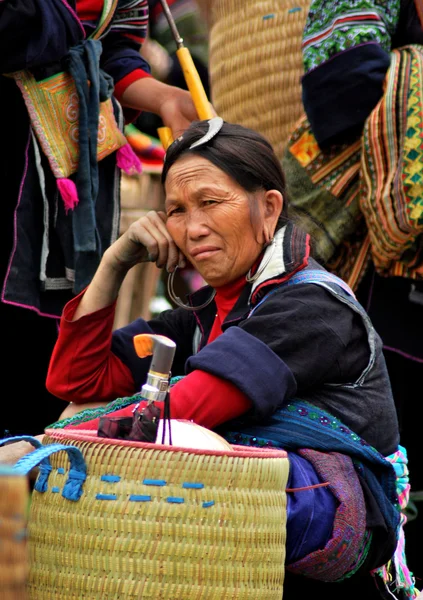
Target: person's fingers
{"points": [[175, 256], [161, 247], [213, 110]]}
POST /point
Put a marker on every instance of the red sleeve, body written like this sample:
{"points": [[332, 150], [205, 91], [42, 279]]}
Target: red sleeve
{"points": [[82, 367], [125, 82], [419, 8], [203, 398], [207, 400], [130, 114]]}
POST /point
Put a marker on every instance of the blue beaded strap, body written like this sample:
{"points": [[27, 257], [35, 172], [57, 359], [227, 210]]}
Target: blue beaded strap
{"points": [[318, 276]]}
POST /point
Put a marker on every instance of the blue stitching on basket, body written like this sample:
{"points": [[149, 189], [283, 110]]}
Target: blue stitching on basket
{"points": [[110, 478], [160, 482], [175, 500], [208, 504], [139, 498], [106, 497], [55, 489], [196, 486], [296, 9], [269, 16], [61, 470]]}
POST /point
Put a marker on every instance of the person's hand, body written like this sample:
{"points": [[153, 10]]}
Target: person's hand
{"points": [[172, 104], [147, 239], [177, 110]]}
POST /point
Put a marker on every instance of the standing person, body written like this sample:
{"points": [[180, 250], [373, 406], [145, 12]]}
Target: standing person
{"points": [[347, 53], [52, 239]]}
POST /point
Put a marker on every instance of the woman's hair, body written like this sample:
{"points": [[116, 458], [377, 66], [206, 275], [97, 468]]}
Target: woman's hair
{"points": [[243, 154]]}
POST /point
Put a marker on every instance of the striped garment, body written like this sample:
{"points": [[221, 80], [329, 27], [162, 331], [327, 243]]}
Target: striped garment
{"points": [[324, 197], [130, 18], [391, 195]]}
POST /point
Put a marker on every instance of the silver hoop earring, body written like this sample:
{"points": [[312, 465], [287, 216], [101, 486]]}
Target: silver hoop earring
{"points": [[178, 301], [270, 250]]}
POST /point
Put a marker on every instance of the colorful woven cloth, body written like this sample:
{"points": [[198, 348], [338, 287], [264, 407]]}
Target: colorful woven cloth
{"points": [[148, 149], [403, 577], [300, 425], [324, 188], [392, 169], [334, 27], [346, 48], [347, 547]]}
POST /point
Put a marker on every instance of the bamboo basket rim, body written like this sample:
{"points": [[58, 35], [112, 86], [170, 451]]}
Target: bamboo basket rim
{"points": [[89, 435]]}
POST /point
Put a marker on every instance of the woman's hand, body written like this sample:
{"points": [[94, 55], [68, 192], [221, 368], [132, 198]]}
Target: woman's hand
{"points": [[147, 239], [172, 104], [177, 110]]}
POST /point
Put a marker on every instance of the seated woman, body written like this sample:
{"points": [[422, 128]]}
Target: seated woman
{"points": [[273, 351]]}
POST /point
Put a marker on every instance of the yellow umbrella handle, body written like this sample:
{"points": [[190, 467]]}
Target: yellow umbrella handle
{"points": [[165, 136], [196, 90]]}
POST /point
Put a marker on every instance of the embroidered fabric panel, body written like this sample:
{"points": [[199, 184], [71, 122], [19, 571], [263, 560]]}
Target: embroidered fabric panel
{"points": [[333, 27]]}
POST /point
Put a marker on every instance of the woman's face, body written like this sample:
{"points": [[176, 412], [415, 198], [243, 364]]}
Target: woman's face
{"points": [[208, 216]]}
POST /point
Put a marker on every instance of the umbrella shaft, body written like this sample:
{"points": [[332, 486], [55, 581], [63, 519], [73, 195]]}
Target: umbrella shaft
{"points": [[179, 41]]}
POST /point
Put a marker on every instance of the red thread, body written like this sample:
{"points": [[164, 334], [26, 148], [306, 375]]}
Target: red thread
{"points": [[309, 487]]}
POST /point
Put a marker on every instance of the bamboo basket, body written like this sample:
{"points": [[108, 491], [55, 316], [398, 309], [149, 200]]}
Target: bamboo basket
{"points": [[112, 519], [14, 494], [255, 63]]}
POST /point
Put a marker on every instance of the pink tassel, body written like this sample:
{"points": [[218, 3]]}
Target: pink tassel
{"points": [[69, 193], [127, 160]]}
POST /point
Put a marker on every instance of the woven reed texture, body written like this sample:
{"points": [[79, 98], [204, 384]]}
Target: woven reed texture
{"points": [[14, 565], [255, 63], [223, 539]]}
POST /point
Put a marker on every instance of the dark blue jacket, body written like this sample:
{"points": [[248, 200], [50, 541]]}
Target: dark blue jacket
{"points": [[303, 341]]}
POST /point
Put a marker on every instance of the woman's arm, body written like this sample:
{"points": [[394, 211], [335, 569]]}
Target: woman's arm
{"points": [[134, 87], [173, 104], [83, 367], [147, 239]]}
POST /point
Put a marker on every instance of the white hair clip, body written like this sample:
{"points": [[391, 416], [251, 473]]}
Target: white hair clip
{"points": [[215, 125]]}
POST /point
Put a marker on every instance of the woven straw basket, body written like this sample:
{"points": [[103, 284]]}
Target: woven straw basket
{"points": [[112, 519], [255, 63], [14, 494]]}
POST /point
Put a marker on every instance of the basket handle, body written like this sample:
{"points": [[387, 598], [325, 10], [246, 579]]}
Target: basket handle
{"points": [[72, 490]]}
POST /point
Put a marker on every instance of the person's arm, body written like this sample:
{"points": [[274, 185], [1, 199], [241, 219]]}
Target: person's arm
{"points": [[82, 367], [172, 104], [145, 239], [205, 399], [135, 89]]}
